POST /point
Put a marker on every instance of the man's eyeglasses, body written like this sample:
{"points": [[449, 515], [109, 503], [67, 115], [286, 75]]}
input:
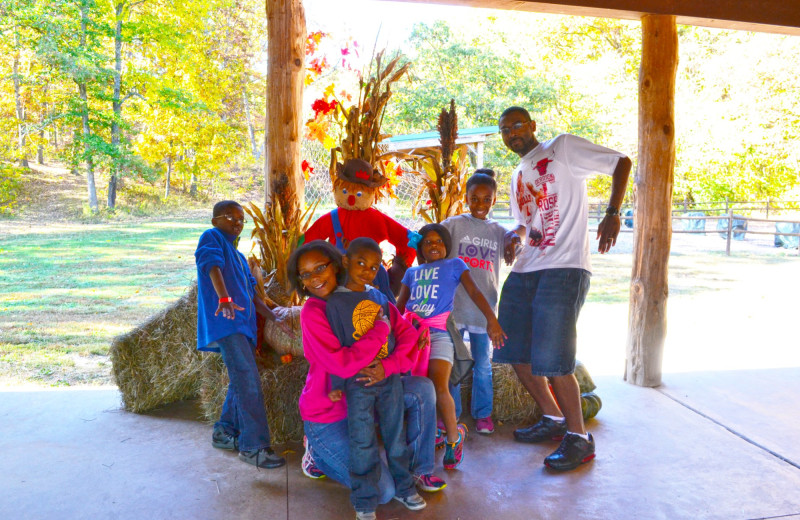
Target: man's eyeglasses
{"points": [[233, 219], [505, 130], [316, 271]]}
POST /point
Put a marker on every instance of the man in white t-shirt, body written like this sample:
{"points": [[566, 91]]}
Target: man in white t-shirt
{"points": [[550, 278]]}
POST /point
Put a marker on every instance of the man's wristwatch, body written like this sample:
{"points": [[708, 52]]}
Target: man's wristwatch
{"points": [[611, 211]]}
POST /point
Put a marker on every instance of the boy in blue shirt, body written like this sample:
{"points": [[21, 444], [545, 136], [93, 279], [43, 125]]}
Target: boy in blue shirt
{"points": [[226, 323]]}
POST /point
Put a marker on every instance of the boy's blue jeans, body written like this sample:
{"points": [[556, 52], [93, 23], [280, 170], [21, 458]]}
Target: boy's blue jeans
{"points": [[482, 392], [243, 411], [363, 403], [330, 446]]}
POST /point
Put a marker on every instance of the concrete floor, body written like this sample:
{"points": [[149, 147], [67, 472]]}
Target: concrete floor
{"points": [[721, 445]]}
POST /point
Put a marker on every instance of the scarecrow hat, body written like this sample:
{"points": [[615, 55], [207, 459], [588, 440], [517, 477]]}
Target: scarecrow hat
{"points": [[359, 171]]}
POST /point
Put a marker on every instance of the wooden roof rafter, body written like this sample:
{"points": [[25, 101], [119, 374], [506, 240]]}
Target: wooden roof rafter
{"points": [[772, 16]]}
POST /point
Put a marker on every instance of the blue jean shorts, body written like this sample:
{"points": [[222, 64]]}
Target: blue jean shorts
{"points": [[539, 313]]}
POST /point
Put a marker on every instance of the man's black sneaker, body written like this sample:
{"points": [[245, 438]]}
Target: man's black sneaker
{"points": [[573, 451], [545, 430], [263, 458], [224, 440]]}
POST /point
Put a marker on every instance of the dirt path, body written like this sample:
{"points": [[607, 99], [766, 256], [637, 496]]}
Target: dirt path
{"points": [[51, 194]]}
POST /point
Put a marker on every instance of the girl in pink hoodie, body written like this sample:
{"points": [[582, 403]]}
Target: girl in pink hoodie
{"points": [[315, 270]]}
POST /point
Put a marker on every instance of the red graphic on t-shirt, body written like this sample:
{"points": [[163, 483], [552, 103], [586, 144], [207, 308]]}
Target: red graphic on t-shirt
{"points": [[541, 166], [539, 208]]}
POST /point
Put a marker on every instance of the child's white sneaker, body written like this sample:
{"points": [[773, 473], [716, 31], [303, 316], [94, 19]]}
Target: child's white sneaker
{"points": [[413, 502], [366, 516]]}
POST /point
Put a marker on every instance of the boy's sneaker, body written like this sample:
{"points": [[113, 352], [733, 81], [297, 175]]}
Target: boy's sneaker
{"points": [[309, 468], [224, 440], [485, 425], [441, 438], [366, 516], [454, 452], [413, 502], [573, 451], [263, 458], [545, 430], [429, 483]]}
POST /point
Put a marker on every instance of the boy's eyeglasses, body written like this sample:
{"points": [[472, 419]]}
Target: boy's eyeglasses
{"points": [[514, 126], [233, 219], [317, 270]]}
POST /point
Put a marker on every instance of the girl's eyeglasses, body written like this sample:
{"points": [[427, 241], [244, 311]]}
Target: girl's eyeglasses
{"points": [[317, 270]]}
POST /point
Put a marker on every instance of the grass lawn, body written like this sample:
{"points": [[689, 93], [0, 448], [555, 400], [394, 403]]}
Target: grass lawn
{"points": [[67, 289]]}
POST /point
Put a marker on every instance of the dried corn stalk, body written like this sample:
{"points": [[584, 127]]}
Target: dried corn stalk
{"points": [[444, 173], [362, 121], [276, 237]]}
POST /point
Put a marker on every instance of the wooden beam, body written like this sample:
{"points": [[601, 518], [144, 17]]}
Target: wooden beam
{"points": [[647, 318], [775, 16], [286, 39]]}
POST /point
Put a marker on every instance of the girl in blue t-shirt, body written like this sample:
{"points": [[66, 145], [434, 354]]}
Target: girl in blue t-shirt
{"points": [[428, 290]]}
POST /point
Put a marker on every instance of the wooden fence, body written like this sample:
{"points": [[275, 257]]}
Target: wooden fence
{"points": [[736, 225]]}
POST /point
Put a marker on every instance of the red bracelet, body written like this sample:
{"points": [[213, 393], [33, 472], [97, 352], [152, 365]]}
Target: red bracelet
{"points": [[226, 300]]}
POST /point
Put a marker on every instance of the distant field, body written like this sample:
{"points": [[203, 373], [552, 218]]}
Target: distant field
{"points": [[67, 290]]}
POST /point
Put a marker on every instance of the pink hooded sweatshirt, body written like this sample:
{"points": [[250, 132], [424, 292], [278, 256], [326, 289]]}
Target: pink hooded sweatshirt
{"points": [[326, 356]]}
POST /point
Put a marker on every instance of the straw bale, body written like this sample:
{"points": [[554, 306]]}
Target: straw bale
{"points": [[511, 401], [281, 384], [157, 362]]}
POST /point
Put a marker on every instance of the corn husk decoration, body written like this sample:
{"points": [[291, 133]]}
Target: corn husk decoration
{"points": [[362, 122], [276, 236], [444, 172]]}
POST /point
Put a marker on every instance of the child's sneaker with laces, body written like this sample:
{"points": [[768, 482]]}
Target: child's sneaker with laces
{"points": [[454, 452], [224, 440], [369, 515], [310, 469], [413, 502], [485, 425], [441, 438], [429, 483]]}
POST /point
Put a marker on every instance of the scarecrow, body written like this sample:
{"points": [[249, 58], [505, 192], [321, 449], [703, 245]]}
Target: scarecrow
{"points": [[356, 186]]}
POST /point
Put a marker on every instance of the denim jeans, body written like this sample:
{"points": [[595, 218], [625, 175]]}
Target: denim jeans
{"points": [[482, 392], [363, 403], [330, 446], [243, 412], [539, 313]]}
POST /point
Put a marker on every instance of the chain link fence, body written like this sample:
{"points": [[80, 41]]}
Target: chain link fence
{"points": [[319, 188]]}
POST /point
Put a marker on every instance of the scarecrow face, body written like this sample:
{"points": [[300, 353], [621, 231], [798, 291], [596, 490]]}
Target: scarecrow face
{"points": [[349, 195]]}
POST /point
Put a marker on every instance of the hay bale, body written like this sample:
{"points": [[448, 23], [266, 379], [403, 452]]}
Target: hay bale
{"points": [[157, 362], [281, 384], [511, 401]]}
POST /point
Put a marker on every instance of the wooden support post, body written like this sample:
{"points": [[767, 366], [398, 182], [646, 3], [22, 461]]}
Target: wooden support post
{"points": [[647, 318], [730, 232], [286, 39]]}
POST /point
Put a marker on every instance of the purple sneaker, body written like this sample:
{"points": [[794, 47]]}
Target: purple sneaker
{"points": [[309, 468], [429, 483], [485, 425]]}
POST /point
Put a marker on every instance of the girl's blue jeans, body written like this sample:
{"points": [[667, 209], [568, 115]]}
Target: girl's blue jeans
{"points": [[243, 412], [482, 392]]}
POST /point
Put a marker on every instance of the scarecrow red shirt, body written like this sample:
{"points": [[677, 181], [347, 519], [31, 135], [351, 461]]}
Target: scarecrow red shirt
{"points": [[367, 222]]}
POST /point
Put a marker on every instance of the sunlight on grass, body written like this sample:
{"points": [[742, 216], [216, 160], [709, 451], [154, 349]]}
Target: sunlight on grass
{"points": [[67, 290]]}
